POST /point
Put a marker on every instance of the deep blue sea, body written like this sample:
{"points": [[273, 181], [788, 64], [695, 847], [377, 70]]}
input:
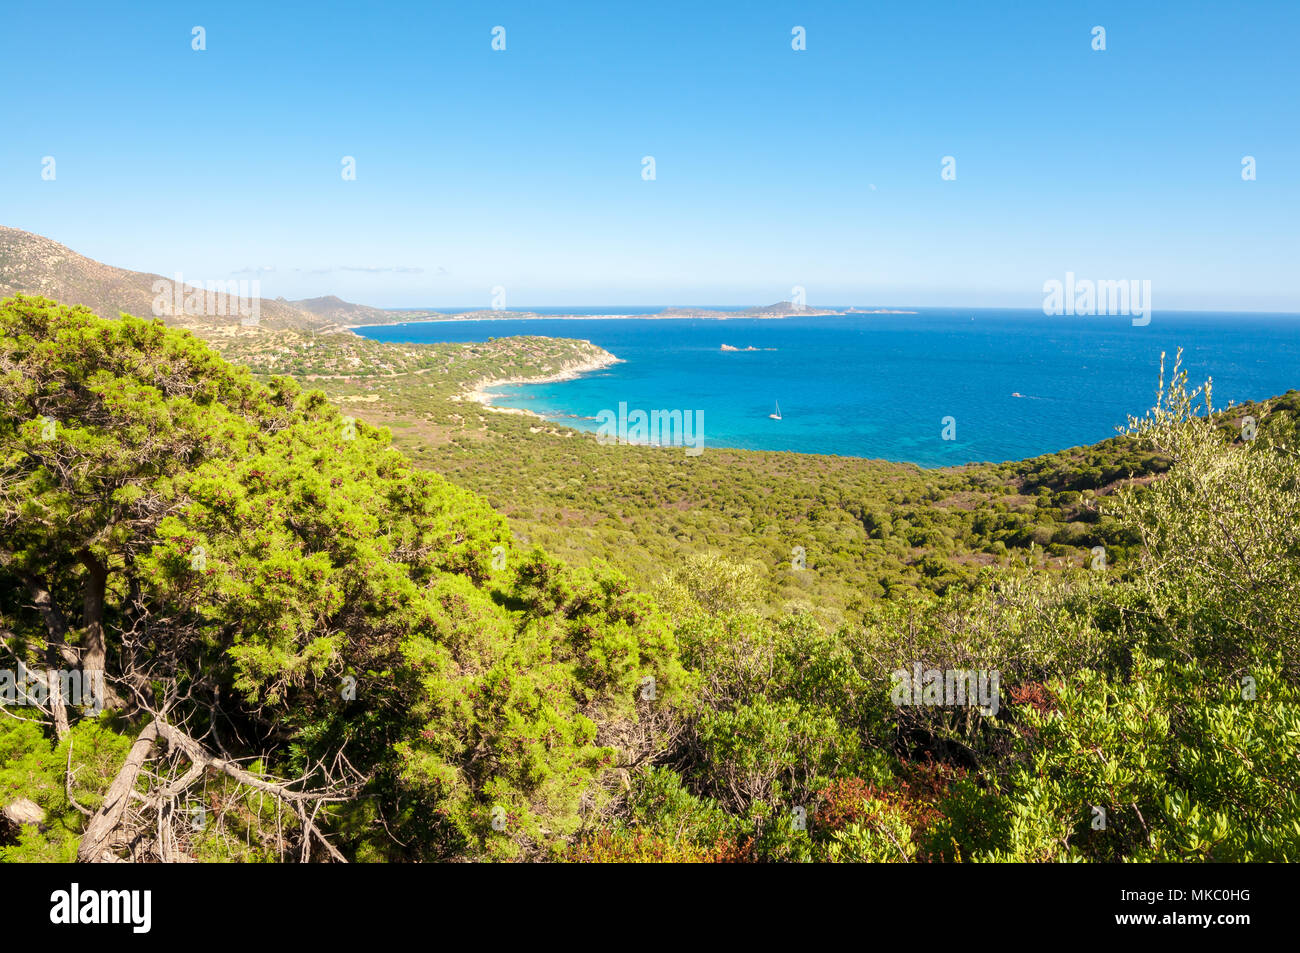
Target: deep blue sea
{"points": [[880, 385]]}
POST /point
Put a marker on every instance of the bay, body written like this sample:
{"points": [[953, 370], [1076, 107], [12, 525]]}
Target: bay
{"points": [[881, 385]]}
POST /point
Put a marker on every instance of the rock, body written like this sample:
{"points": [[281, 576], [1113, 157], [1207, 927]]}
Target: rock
{"points": [[23, 811]]}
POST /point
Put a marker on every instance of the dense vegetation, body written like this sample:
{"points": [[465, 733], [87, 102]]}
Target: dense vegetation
{"points": [[329, 651], [865, 528]]}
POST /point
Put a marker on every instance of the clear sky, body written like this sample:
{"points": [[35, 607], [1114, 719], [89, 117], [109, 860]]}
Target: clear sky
{"points": [[774, 167]]}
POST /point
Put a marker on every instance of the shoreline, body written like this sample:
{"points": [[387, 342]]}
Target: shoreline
{"points": [[471, 316], [478, 394]]}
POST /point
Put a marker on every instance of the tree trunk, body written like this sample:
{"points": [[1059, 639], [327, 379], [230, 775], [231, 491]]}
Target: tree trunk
{"points": [[95, 655], [94, 658], [57, 705], [55, 624], [56, 649]]}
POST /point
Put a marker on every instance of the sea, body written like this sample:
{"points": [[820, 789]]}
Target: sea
{"points": [[940, 387]]}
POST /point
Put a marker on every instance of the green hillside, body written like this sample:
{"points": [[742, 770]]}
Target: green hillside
{"points": [[378, 621]]}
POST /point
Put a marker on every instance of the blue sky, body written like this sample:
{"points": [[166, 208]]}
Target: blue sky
{"points": [[774, 168]]}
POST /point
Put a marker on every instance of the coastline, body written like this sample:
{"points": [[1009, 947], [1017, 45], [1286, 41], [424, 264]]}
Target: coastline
{"points": [[567, 372], [659, 316]]}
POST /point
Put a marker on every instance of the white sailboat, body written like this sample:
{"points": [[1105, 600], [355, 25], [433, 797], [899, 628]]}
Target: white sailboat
{"points": [[777, 415]]}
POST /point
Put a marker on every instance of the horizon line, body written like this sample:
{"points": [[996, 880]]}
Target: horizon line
{"points": [[530, 309]]}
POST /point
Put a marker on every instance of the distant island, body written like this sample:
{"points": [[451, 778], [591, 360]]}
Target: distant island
{"points": [[34, 264], [781, 309]]}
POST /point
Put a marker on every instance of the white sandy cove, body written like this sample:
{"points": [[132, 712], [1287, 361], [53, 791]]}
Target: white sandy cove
{"points": [[480, 393]]}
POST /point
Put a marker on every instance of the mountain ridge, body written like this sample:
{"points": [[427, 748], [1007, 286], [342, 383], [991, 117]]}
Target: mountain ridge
{"points": [[36, 265]]}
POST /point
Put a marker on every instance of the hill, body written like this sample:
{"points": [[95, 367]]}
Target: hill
{"points": [[333, 308], [33, 264]]}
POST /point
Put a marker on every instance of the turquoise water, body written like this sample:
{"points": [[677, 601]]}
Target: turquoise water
{"points": [[880, 385]]}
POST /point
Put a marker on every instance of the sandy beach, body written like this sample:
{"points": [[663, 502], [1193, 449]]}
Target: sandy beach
{"points": [[568, 371]]}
